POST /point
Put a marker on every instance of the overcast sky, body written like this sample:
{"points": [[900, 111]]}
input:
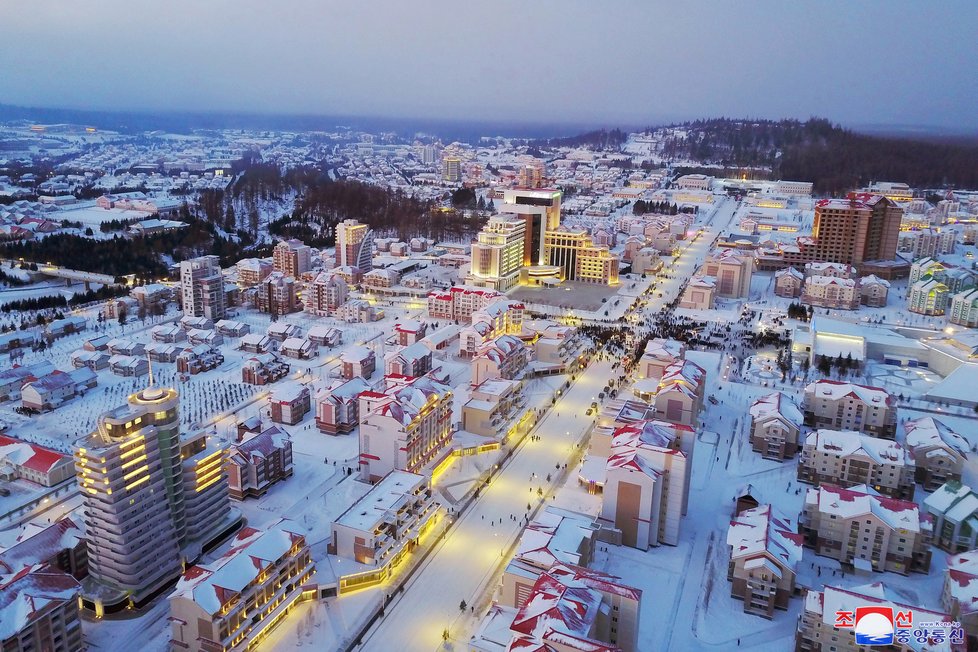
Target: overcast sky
{"points": [[600, 61]]}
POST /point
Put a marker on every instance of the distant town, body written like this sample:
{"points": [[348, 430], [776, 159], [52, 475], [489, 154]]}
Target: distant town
{"points": [[367, 391]]}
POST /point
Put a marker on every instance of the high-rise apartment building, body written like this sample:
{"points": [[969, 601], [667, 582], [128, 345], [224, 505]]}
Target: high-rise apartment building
{"points": [[530, 175], [451, 169], [327, 293], [153, 499], [276, 295], [497, 256], [292, 258], [354, 245], [202, 288], [862, 228]]}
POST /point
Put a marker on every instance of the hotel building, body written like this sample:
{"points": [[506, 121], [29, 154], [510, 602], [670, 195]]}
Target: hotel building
{"points": [[153, 499]]}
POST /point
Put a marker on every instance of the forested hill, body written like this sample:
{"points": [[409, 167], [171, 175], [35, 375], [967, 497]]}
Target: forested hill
{"points": [[835, 159]]}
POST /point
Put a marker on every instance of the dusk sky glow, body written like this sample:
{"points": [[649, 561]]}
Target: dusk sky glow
{"points": [[893, 62]]}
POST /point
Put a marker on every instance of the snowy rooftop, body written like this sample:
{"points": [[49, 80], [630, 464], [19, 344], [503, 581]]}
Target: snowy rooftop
{"points": [[857, 501], [832, 599], [41, 546], [763, 530], [777, 404], [927, 432], [555, 535], [848, 442], [30, 456], [834, 390], [28, 593], [387, 495], [962, 580], [252, 551], [664, 349]]}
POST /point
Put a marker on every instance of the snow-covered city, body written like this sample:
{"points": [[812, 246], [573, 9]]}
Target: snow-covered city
{"points": [[273, 382]]}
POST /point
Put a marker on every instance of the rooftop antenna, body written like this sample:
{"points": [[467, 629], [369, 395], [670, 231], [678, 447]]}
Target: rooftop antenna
{"points": [[151, 392]]}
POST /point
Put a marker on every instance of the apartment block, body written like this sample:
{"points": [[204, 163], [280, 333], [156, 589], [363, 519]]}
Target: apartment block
{"points": [[964, 308], [504, 357], [839, 405], [358, 361], [404, 426], [39, 611], [234, 602], [659, 353], [337, 407], [764, 555], [292, 258], [491, 406], [646, 485], [459, 302], [865, 531], [928, 296], [775, 425], [325, 295], [939, 453], [820, 626], [276, 295], [788, 282], [954, 509], [733, 272], [829, 292], [255, 464], [413, 360], [959, 596], [202, 288], [847, 459], [387, 523]]}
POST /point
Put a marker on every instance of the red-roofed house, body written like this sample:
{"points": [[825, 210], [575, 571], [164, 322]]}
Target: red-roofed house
{"points": [[19, 459]]}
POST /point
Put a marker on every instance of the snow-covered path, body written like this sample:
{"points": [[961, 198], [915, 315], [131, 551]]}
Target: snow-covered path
{"points": [[465, 564]]}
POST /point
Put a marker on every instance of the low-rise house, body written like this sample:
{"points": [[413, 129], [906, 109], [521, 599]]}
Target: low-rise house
{"points": [[847, 406], [281, 331], [865, 531], [94, 360], [188, 322], [229, 603], [298, 348], [66, 326], [229, 328], [939, 453], [16, 339], [158, 352], [14, 378], [954, 508], [209, 338], [325, 335], [167, 333], [128, 365], [197, 359], [255, 343], [100, 343], [409, 331], [50, 391], [764, 555], [255, 464], [20, 460], [337, 407], [126, 347], [263, 369], [775, 424], [289, 403], [847, 458]]}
